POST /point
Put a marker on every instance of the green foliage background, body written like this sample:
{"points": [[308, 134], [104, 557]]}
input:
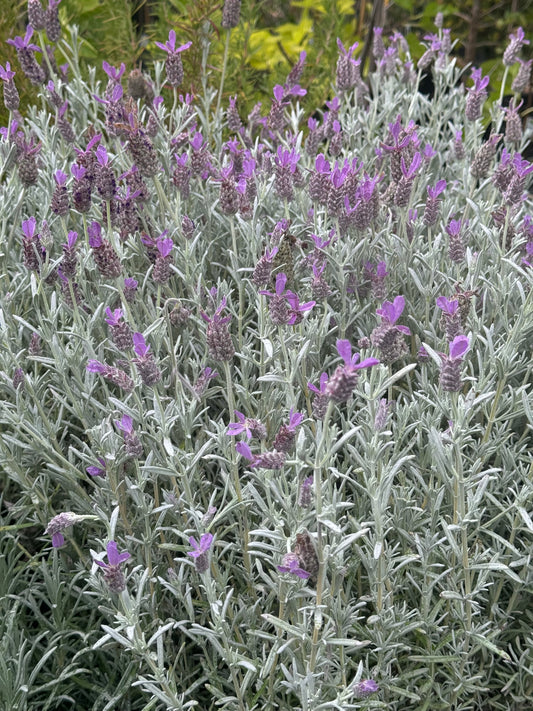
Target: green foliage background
{"points": [[268, 40]]}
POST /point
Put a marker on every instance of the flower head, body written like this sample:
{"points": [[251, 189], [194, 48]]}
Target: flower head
{"points": [[7, 73], [449, 307], [236, 428], [365, 687], [390, 312], [113, 318], [200, 548], [344, 349], [59, 523], [297, 309], [140, 346], [24, 42], [343, 381], [291, 565], [113, 574], [94, 470], [170, 45], [200, 552]]}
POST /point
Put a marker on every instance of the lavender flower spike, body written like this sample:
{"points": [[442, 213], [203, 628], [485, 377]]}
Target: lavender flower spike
{"points": [[286, 435], [388, 337], [170, 45], [364, 688], [450, 374], [265, 460], [218, 336], [201, 551], [113, 574], [343, 381], [321, 399], [146, 365], [510, 56], [231, 14], [59, 523], [173, 62], [391, 312], [291, 565], [132, 443]]}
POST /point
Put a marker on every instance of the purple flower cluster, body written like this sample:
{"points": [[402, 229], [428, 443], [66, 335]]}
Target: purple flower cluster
{"points": [[285, 307]]}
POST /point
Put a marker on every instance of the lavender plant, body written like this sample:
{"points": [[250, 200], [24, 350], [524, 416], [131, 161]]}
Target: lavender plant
{"points": [[303, 503]]}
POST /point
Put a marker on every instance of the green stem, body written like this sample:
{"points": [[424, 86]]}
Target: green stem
{"points": [[239, 280], [161, 194], [222, 78], [117, 489], [235, 474], [287, 363], [500, 98], [323, 431], [213, 604], [493, 411], [460, 511], [45, 53]]}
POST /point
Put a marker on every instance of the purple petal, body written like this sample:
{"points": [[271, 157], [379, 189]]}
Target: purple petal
{"points": [[28, 227], [125, 424], [71, 239], [164, 246], [139, 345], [399, 305], [94, 366], [281, 281], [459, 346], [366, 363], [449, 307], [93, 470], [58, 540], [113, 556], [387, 312], [205, 542], [344, 349], [244, 450]]}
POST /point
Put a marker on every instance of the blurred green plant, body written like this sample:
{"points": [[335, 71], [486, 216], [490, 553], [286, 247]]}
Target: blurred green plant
{"points": [[269, 39]]}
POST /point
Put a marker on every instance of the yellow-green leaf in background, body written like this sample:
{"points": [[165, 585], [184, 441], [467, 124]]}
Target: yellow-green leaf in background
{"points": [[269, 48], [264, 50], [345, 7], [310, 5]]}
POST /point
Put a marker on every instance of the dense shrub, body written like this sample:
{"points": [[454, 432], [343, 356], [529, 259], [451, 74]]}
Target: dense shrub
{"points": [[266, 396]]}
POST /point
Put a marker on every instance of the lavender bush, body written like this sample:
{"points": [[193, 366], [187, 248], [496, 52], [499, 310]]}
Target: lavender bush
{"points": [[266, 389]]}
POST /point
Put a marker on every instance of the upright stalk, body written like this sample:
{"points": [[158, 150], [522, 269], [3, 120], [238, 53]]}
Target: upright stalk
{"points": [[222, 78], [317, 483]]}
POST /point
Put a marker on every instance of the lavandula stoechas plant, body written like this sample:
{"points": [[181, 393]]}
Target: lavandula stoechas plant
{"points": [[335, 521]]}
